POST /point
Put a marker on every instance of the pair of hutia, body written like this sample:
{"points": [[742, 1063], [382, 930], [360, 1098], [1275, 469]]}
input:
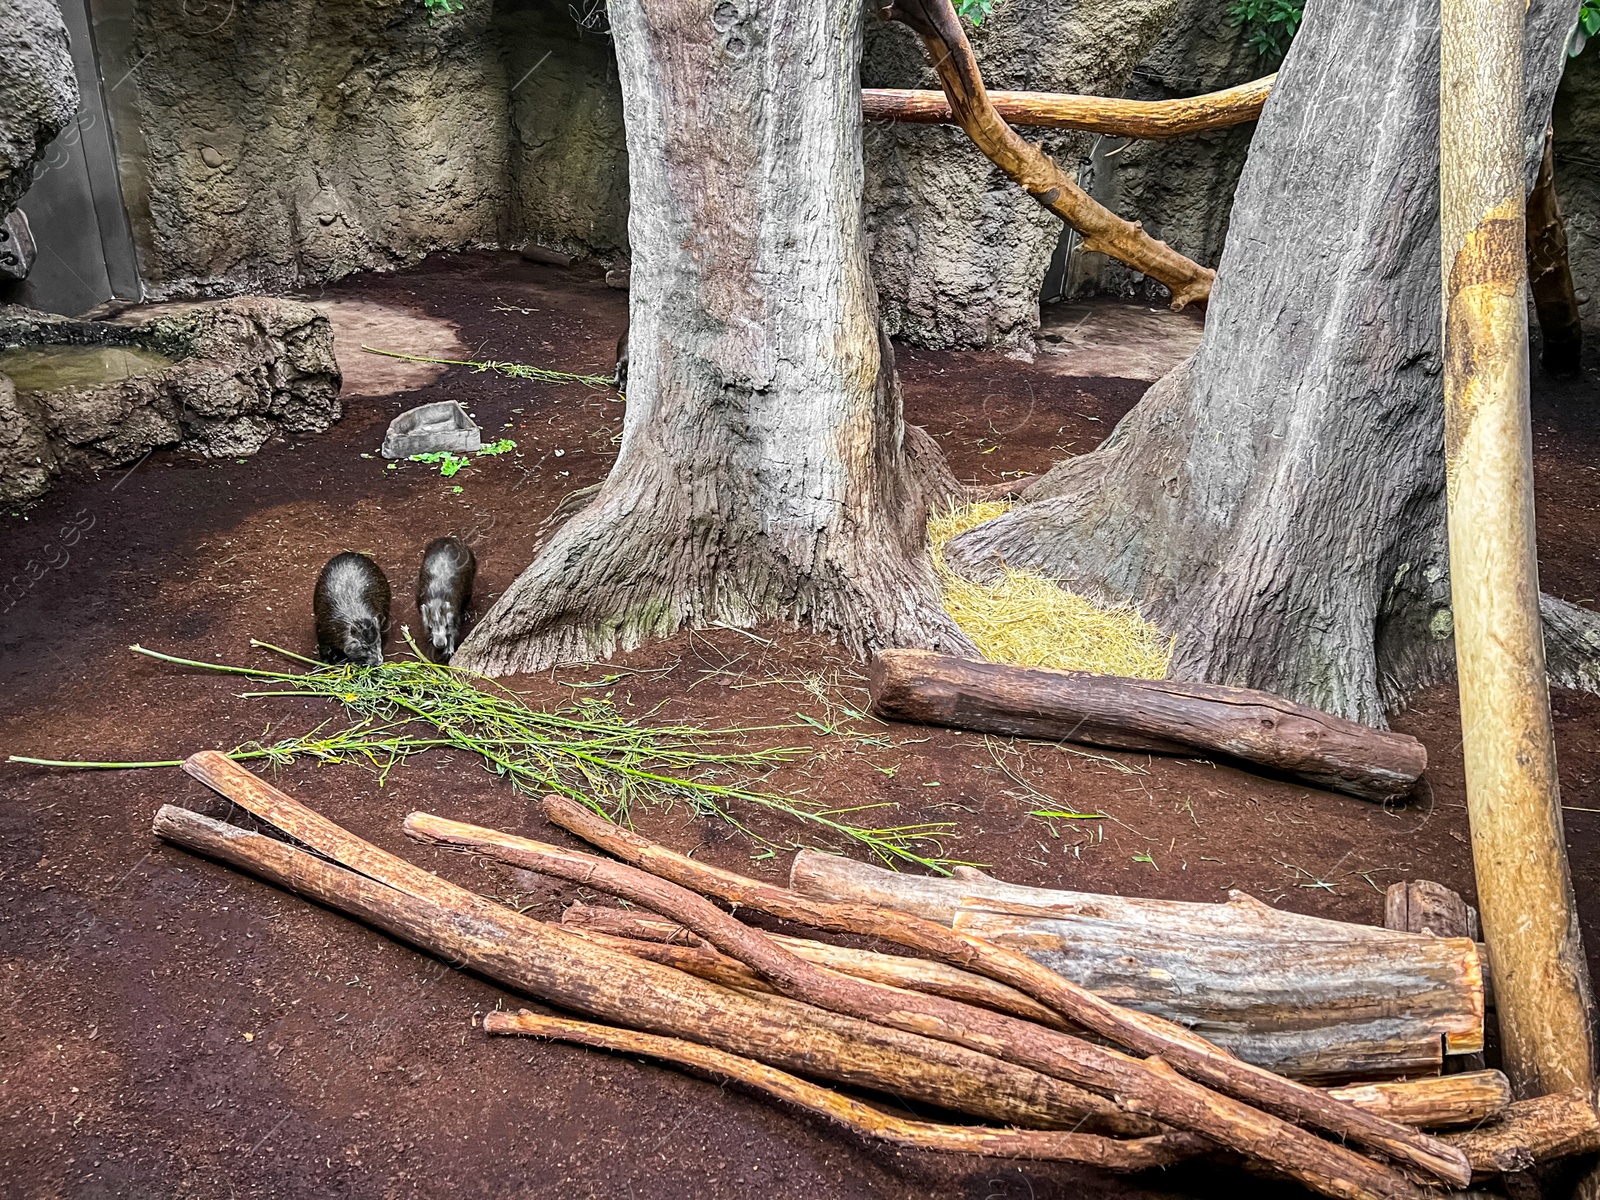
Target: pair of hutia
{"points": [[351, 603]]}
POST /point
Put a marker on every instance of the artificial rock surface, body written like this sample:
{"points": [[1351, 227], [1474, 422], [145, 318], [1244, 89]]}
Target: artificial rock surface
{"points": [[245, 370]]}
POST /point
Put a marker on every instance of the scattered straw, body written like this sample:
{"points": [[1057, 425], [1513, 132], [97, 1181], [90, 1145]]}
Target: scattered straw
{"points": [[1027, 620]]}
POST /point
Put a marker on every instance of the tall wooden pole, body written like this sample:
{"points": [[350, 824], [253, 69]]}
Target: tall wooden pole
{"points": [[1524, 889]]}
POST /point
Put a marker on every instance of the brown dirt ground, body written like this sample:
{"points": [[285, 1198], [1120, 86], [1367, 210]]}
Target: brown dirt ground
{"points": [[172, 1028]]}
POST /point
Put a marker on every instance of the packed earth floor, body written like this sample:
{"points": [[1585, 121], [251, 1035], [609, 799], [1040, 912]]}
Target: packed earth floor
{"points": [[169, 1027]]}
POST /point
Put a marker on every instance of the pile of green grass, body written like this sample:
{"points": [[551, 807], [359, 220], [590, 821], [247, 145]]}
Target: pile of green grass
{"points": [[587, 750]]}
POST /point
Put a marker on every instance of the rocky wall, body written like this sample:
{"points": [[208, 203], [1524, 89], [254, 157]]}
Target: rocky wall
{"points": [[38, 90]]}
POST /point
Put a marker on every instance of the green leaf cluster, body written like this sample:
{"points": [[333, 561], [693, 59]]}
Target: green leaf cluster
{"points": [[1269, 25]]}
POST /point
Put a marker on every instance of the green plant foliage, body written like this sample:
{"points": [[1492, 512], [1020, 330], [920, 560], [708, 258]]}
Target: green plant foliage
{"points": [[448, 463], [503, 446], [443, 6], [975, 10], [1588, 25], [1269, 25], [588, 750]]}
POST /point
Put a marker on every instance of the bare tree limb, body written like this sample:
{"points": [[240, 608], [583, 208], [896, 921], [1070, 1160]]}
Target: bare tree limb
{"points": [[1112, 1154], [1102, 230], [1090, 114]]}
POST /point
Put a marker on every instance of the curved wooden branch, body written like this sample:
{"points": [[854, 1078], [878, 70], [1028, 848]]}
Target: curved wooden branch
{"points": [[1148, 1035], [1112, 1154], [1102, 230], [1091, 114]]}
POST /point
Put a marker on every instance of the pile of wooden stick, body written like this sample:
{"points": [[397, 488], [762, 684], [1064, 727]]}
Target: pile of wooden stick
{"points": [[966, 1026]]}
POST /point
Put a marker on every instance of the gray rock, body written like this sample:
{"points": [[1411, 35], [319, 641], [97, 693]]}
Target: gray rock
{"points": [[246, 370], [38, 90]]}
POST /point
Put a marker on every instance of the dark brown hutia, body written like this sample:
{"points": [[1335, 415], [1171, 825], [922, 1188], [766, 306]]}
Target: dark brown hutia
{"points": [[351, 606]]}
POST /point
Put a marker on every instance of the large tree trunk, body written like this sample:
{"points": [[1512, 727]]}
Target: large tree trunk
{"points": [[1278, 501], [765, 470]]}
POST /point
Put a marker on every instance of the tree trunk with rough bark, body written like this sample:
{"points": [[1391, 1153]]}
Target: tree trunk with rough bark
{"points": [[1278, 501], [765, 470]]}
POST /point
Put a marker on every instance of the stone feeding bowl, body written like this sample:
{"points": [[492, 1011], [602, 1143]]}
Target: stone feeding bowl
{"points": [[431, 428], [218, 379]]}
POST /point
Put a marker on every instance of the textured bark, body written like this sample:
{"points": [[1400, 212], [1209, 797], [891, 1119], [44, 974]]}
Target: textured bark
{"points": [[896, 970], [764, 470], [1146, 1034], [1109, 1153], [1092, 114], [1550, 274], [1519, 851], [935, 21], [1150, 1087], [1147, 714], [1311, 999], [1278, 502], [1530, 1132]]}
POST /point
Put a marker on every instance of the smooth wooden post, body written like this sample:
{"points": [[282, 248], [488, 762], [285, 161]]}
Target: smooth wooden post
{"points": [[1524, 889]]}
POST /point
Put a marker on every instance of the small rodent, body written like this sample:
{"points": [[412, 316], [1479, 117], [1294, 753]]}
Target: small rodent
{"points": [[351, 605], [620, 379], [444, 592]]}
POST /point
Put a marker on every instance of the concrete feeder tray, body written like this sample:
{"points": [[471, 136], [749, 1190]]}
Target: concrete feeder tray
{"points": [[431, 428]]}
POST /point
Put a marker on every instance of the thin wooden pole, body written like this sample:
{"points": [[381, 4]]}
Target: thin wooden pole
{"points": [[1524, 888]]}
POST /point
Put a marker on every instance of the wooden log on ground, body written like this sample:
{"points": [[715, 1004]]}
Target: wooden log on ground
{"points": [[1150, 1086], [1314, 1010], [847, 881], [1163, 716], [1139, 1031], [1462, 1099], [1108, 1153], [895, 970], [833, 877], [1423, 906], [1530, 1132], [1358, 1001], [1091, 114], [555, 965]]}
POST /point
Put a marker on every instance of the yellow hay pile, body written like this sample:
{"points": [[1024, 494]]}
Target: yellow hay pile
{"points": [[1024, 619]]}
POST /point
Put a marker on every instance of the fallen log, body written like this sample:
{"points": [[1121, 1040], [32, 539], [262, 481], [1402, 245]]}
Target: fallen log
{"points": [[557, 966], [1139, 1031], [1150, 1086], [1036, 172], [1462, 1099], [1530, 1132], [1304, 996], [1111, 1154], [1091, 114], [915, 974], [845, 880], [1313, 1010], [1147, 714]]}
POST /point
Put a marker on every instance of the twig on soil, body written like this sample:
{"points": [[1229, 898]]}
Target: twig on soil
{"points": [[586, 750], [514, 370]]}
